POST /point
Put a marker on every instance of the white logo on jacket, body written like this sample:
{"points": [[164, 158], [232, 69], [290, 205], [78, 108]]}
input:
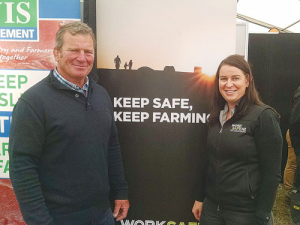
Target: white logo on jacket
{"points": [[238, 128]]}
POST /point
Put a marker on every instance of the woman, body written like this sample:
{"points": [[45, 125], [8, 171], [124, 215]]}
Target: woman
{"points": [[244, 146]]}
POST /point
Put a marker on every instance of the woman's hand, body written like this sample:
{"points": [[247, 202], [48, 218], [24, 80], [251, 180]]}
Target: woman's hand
{"points": [[197, 209]]}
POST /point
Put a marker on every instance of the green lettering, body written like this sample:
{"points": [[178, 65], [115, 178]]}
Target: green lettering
{"points": [[6, 168], [22, 79], [4, 148], [1, 81], [171, 223], [1, 161], [3, 100], [11, 100], [10, 81]]}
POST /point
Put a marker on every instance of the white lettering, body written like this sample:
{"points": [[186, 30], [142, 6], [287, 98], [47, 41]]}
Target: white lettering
{"points": [[179, 117], [131, 116], [182, 103], [9, 12], [140, 222], [5, 50], [23, 12], [16, 33], [130, 102], [127, 222], [117, 102], [2, 119]]}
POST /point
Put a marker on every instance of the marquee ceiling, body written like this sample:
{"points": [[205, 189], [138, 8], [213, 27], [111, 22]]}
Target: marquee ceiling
{"points": [[263, 15]]}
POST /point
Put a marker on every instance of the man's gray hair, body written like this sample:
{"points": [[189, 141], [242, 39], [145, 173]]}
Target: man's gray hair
{"points": [[73, 28]]}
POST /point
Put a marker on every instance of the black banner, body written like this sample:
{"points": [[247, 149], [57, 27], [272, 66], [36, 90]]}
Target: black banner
{"points": [[161, 119]]}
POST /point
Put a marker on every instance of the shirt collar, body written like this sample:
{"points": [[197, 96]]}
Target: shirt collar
{"points": [[223, 114], [70, 85]]}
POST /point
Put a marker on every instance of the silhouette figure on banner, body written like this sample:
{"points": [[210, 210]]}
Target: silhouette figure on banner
{"points": [[130, 64], [117, 62], [125, 65]]}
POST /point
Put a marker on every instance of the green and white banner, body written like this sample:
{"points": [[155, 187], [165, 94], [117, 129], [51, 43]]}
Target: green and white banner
{"points": [[19, 20], [27, 39]]}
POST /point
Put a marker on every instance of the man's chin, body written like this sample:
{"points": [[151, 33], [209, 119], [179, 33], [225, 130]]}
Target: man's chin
{"points": [[82, 73]]}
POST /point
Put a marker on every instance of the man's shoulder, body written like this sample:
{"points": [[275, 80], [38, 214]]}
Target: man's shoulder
{"points": [[98, 88], [36, 90]]}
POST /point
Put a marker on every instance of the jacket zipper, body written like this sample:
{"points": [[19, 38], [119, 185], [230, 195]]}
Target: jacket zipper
{"points": [[218, 163], [218, 148], [251, 195]]}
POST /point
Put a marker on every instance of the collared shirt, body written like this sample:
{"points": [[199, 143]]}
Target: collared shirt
{"points": [[223, 114], [70, 85]]}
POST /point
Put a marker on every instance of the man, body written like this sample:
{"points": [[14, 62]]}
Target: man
{"points": [[117, 61], [295, 132], [295, 139], [64, 150]]}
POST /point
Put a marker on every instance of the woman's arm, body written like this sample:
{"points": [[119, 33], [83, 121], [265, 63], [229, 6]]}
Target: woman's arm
{"points": [[268, 140], [197, 209]]}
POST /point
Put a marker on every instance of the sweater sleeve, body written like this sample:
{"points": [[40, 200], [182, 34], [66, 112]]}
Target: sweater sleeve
{"points": [[116, 176], [27, 136], [268, 139]]}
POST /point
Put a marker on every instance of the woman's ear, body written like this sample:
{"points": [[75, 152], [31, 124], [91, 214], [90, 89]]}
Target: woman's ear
{"points": [[247, 80]]}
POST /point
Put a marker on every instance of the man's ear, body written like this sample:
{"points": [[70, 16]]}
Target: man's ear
{"points": [[56, 54]]}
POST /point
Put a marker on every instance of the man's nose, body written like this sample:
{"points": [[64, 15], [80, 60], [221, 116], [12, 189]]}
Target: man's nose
{"points": [[81, 56]]}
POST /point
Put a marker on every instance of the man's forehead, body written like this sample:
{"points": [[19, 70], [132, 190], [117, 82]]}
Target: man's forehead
{"points": [[69, 39], [68, 35]]}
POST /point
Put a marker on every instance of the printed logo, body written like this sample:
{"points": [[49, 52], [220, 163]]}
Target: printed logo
{"points": [[19, 20], [238, 128]]}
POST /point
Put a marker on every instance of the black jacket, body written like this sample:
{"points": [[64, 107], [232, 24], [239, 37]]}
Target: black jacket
{"points": [[295, 120], [244, 161]]}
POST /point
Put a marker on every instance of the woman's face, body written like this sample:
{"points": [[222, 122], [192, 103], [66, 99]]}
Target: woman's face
{"points": [[232, 84]]}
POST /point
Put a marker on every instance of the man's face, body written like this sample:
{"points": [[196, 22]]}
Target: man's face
{"points": [[75, 58]]}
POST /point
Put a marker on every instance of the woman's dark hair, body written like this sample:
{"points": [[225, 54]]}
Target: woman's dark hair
{"points": [[250, 98]]}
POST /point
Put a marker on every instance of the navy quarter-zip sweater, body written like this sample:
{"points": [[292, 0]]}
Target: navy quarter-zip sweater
{"points": [[244, 163], [64, 154]]}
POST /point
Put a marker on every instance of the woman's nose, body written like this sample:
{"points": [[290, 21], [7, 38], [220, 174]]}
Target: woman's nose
{"points": [[229, 83]]}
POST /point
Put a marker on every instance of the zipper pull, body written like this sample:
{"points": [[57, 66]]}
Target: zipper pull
{"points": [[218, 208]]}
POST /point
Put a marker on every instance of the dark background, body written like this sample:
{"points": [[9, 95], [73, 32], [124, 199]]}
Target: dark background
{"points": [[275, 60]]}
